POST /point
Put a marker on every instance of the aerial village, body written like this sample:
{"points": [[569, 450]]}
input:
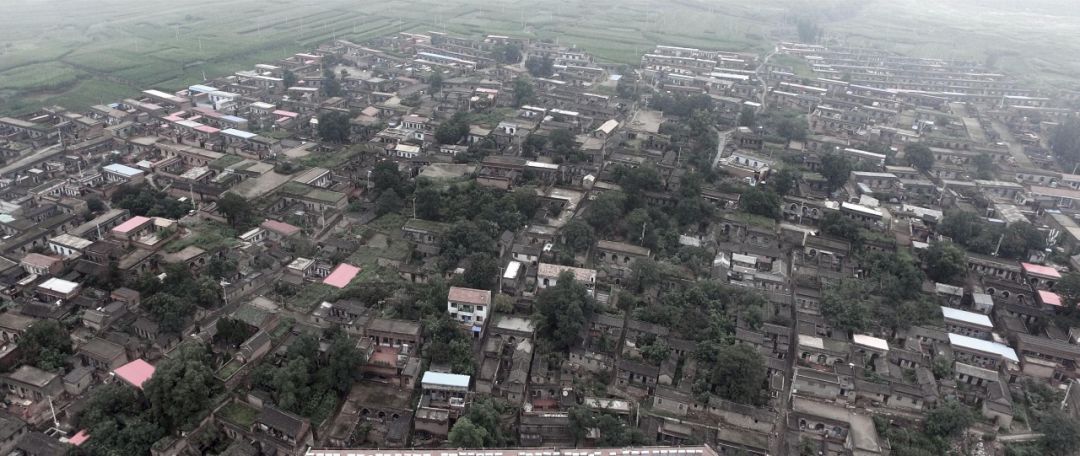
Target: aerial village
{"points": [[429, 242]]}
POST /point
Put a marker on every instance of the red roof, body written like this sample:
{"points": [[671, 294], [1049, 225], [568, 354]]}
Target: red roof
{"points": [[1041, 270], [342, 275], [470, 296], [1049, 298], [136, 372], [39, 261], [79, 438], [281, 228], [131, 224]]}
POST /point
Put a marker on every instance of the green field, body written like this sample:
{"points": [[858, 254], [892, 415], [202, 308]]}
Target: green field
{"points": [[80, 52]]}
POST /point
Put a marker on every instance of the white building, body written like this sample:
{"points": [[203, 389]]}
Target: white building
{"points": [[470, 307]]}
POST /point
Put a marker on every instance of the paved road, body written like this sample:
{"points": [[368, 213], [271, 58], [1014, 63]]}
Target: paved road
{"points": [[721, 142], [1015, 148]]}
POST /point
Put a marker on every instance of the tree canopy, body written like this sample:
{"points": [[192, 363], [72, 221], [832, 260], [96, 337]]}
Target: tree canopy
{"points": [[835, 169], [453, 130], [46, 344], [334, 127], [181, 387], [237, 211], [561, 311], [523, 91], [945, 262], [919, 156]]}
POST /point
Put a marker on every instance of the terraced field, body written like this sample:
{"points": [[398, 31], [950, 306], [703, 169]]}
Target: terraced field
{"points": [[75, 52]]}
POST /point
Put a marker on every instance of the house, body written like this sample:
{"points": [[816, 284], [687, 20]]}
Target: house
{"points": [[619, 257], [547, 275], [284, 432], [13, 326], [470, 307], [966, 323], [29, 382], [631, 373], [394, 333], [442, 389], [982, 353], [42, 265], [102, 354], [135, 373], [12, 430]]}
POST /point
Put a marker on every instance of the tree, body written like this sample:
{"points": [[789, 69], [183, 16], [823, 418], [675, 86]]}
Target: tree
{"points": [[388, 202], [578, 235], [465, 434], [561, 311], [181, 387], [435, 82], [606, 209], [1020, 238], [385, 175], [540, 67], [331, 87], [232, 332], [564, 146], [835, 169], [746, 117], [46, 345], [237, 211], [523, 91], [507, 53], [480, 271], [626, 87], [222, 268], [970, 230], [168, 311], [919, 156], [738, 373], [334, 127], [1065, 142], [428, 202], [288, 78], [784, 180], [945, 261], [809, 30], [949, 419], [453, 130], [1069, 288], [656, 352], [760, 202], [1061, 434], [984, 166], [95, 205], [792, 128], [842, 305]]}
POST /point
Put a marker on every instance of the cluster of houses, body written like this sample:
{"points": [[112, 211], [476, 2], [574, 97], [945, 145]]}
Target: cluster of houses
{"points": [[252, 136]]}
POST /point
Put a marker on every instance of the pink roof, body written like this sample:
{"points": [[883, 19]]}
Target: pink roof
{"points": [[1049, 298], [39, 260], [131, 224], [206, 129], [342, 275], [136, 372], [79, 438], [1041, 270], [282, 228], [470, 296], [284, 113]]}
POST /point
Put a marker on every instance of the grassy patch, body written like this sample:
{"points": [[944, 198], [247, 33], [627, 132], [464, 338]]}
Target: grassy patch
{"points": [[239, 413], [229, 369], [209, 236]]}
